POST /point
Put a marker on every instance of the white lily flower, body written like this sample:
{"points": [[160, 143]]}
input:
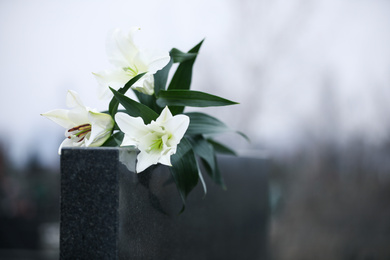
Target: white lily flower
{"points": [[84, 126], [156, 141], [129, 61]]}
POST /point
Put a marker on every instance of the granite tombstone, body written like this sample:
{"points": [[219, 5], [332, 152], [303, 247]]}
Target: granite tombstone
{"points": [[110, 212]]}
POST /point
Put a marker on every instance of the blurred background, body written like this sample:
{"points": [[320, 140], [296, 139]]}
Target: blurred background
{"points": [[312, 79]]}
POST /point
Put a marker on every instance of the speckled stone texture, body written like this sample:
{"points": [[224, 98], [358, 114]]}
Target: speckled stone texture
{"points": [[109, 212]]}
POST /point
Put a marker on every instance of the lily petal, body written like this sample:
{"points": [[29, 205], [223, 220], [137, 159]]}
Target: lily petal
{"points": [[59, 116], [73, 100], [68, 143], [166, 158], [115, 78], [164, 116], [133, 127], [121, 48], [178, 126], [156, 141], [154, 59], [145, 84], [101, 128], [129, 61], [144, 160], [78, 115], [84, 126]]}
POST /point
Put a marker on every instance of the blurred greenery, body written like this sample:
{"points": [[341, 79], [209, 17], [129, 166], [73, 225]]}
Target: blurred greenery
{"points": [[29, 198]]}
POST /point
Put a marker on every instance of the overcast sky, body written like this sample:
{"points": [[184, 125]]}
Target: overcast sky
{"points": [[300, 69]]}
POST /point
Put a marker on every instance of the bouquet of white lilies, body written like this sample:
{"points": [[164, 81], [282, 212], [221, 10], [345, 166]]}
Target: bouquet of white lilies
{"points": [[155, 124]]}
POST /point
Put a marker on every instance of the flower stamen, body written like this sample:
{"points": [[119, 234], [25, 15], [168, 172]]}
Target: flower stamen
{"points": [[80, 131], [156, 145], [131, 71], [80, 127]]}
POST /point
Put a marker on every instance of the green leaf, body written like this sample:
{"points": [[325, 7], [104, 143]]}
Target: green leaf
{"points": [[206, 152], [179, 56], [161, 78], [191, 98], [160, 82], [183, 76], [147, 100], [202, 179], [184, 169], [115, 140], [203, 124], [135, 109], [220, 148], [113, 106]]}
